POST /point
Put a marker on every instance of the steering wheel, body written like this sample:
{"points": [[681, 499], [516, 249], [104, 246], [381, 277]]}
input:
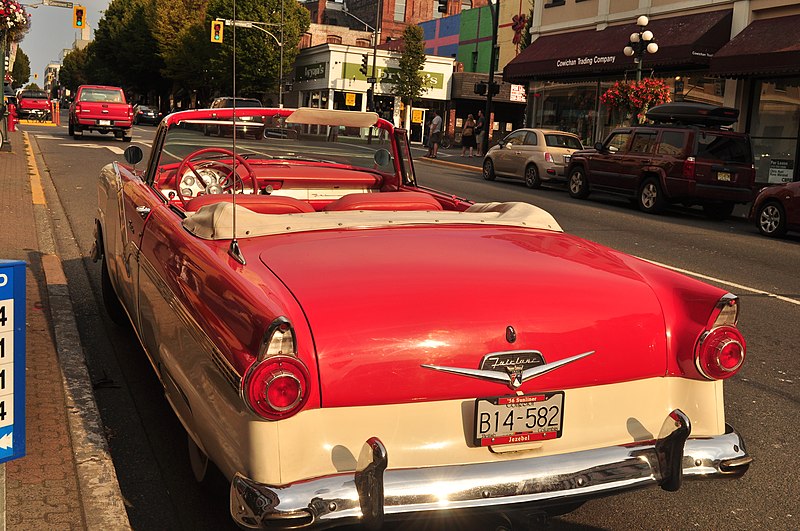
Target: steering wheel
{"points": [[228, 182]]}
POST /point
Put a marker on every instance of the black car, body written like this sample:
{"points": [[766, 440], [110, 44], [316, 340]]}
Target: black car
{"points": [[144, 114], [226, 102]]}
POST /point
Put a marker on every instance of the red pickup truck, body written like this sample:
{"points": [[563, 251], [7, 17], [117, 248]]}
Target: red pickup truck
{"points": [[33, 105], [102, 109]]}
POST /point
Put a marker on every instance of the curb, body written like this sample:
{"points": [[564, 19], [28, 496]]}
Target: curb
{"points": [[101, 497]]}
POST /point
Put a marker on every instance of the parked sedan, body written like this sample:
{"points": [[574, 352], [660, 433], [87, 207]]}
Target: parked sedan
{"points": [[534, 155], [333, 338], [144, 114], [776, 209]]}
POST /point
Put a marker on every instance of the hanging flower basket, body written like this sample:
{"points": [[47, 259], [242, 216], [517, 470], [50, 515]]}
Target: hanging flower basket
{"points": [[636, 97], [14, 21]]}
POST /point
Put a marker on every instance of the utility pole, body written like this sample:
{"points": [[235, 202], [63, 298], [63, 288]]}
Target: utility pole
{"points": [[495, 9], [376, 37]]}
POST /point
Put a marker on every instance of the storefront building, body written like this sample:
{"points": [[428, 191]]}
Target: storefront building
{"points": [[743, 54], [329, 76]]}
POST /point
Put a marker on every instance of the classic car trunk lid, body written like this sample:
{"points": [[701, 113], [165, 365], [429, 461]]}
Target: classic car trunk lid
{"points": [[382, 302]]}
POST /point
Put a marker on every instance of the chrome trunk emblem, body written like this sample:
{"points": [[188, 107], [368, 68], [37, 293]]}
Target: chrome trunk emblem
{"points": [[512, 368]]}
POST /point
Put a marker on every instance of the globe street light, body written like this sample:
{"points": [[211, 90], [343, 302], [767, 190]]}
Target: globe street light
{"points": [[641, 42]]}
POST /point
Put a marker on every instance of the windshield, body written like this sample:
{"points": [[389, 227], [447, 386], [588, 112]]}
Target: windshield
{"points": [[269, 138], [109, 95], [33, 94]]}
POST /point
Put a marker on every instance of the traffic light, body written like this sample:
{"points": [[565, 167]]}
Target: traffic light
{"points": [[494, 88], [364, 63], [480, 88], [217, 27], [442, 6], [78, 17]]}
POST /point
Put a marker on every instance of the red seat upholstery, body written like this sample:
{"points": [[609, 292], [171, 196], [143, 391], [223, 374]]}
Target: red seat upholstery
{"points": [[263, 204], [385, 201]]}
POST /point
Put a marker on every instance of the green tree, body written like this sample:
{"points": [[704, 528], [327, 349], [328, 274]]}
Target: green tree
{"points": [[409, 85], [257, 53], [74, 70], [21, 71], [526, 33], [124, 51], [32, 86]]}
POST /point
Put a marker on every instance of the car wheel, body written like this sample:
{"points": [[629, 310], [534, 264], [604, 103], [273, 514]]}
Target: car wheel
{"points": [[718, 211], [77, 133], [771, 219], [111, 302], [578, 183], [127, 138], [532, 177], [71, 129], [488, 170], [651, 198]]}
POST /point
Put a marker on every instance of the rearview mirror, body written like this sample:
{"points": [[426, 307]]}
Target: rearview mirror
{"points": [[598, 146], [133, 154], [382, 157]]}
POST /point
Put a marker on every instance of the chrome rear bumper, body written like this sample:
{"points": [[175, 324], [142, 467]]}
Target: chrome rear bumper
{"points": [[373, 492]]}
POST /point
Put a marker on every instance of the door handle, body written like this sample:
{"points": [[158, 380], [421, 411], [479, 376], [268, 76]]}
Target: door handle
{"points": [[143, 211]]}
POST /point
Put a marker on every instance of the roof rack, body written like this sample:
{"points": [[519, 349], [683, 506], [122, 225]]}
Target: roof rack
{"points": [[701, 114]]}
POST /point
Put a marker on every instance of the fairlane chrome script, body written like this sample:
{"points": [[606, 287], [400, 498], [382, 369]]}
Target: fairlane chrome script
{"points": [[514, 378]]}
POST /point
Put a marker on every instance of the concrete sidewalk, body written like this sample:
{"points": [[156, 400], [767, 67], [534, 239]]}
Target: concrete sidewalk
{"points": [[66, 479]]}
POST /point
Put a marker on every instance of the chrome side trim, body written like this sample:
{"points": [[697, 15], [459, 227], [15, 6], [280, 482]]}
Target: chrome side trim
{"points": [[537, 482]]}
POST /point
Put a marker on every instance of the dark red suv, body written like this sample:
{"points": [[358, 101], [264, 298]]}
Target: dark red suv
{"points": [[687, 156]]}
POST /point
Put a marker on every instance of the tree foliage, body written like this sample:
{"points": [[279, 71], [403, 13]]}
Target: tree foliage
{"points": [[124, 52], [409, 85], [21, 71], [257, 53], [74, 70]]}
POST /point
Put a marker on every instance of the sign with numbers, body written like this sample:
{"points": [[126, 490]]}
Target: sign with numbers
{"points": [[12, 359]]}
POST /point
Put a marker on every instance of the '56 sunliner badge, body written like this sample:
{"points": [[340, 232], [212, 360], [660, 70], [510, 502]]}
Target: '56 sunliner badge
{"points": [[299, 280]]}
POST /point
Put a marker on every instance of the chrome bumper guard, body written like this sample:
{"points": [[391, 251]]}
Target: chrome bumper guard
{"points": [[372, 492]]}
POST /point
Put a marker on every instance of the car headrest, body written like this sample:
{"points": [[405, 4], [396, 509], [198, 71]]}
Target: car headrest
{"points": [[384, 201], [263, 204]]}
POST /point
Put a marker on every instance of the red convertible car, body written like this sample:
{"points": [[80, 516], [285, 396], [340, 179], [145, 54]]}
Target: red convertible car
{"points": [[348, 346]]}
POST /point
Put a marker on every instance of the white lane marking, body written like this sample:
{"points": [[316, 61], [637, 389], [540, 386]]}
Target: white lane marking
{"points": [[726, 282], [114, 149]]}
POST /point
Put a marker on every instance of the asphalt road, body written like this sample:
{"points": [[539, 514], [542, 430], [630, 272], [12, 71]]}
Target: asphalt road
{"points": [[148, 444]]}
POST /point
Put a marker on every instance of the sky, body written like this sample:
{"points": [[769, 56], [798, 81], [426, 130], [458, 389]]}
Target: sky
{"points": [[51, 31]]}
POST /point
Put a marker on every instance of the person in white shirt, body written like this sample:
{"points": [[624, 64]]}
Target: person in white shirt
{"points": [[435, 135]]}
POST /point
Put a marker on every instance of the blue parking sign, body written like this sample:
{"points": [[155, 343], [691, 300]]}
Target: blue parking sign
{"points": [[12, 359]]}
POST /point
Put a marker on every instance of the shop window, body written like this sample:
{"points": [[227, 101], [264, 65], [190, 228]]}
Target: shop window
{"points": [[555, 3], [333, 39], [774, 129], [570, 108], [364, 43], [643, 143], [672, 143]]}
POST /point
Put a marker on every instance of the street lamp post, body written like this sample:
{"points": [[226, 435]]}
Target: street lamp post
{"points": [[641, 42]]}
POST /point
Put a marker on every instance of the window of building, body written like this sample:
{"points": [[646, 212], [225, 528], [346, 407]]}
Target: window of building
{"points": [[466, 4], [364, 43], [333, 39], [400, 10], [555, 3]]}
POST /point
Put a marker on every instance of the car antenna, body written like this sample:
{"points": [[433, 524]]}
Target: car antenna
{"points": [[234, 251]]}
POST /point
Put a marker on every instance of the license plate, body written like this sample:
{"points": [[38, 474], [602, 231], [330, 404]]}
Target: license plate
{"points": [[518, 419], [103, 122], [723, 176]]}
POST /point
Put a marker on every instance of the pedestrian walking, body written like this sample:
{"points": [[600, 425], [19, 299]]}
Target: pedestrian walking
{"points": [[480, 132], [468, 136], [435, 135]]}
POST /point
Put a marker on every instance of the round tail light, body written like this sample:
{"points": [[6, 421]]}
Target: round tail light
{"points": [[720, 353], [276, 388]]}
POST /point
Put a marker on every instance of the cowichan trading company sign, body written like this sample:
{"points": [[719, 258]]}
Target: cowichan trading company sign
{"points": [[586, 61]]}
